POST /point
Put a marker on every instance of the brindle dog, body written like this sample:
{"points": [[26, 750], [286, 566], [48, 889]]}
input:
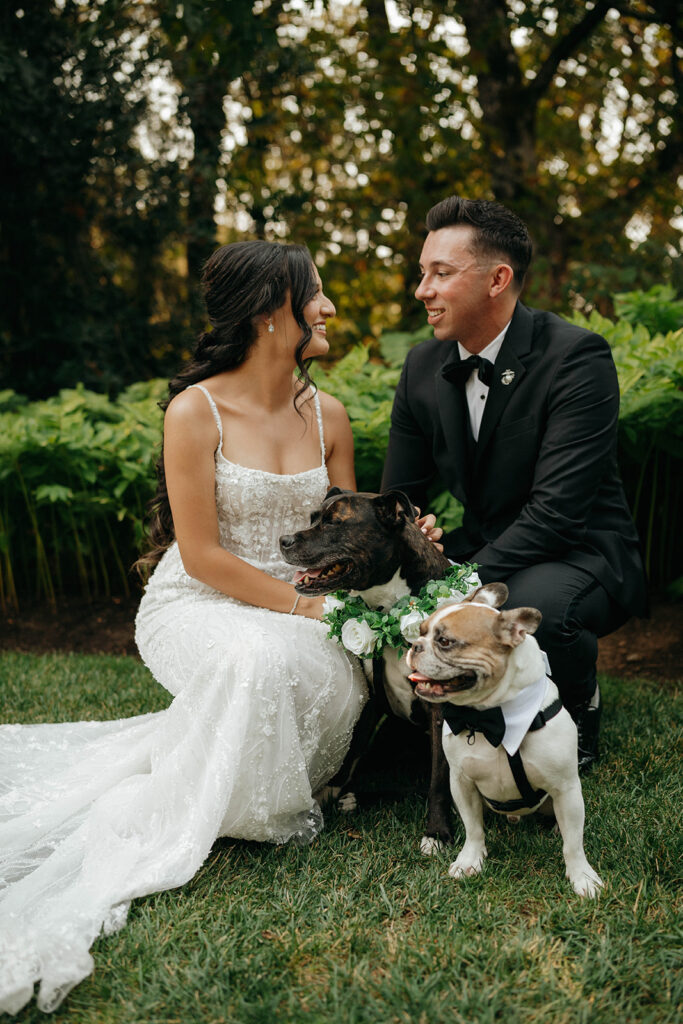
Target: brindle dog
{"points": [[370, 544]]}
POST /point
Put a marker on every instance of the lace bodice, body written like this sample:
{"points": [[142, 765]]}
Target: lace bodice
{"points": [[95, 814], [256, 508]]}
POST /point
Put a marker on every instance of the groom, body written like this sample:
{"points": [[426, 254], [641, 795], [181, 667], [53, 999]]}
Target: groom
{"points": [[515, 410]]}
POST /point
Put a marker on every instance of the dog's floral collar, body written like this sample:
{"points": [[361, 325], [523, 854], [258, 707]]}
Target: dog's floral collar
{"points": [[367, 632]]}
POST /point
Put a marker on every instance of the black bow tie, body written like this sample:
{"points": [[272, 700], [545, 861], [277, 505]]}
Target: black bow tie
{"points": [[458, 373], [491, 722]]}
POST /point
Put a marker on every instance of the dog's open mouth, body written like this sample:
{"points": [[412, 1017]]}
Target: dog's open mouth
{"points": [[430, 688], [322, 580]]}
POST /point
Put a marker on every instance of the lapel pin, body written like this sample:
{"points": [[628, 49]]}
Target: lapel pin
{"points": [[507, 376]]}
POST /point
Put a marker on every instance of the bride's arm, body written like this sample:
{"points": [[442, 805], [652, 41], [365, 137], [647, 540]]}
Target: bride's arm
{"points": [[190, 438], [338, 443]]}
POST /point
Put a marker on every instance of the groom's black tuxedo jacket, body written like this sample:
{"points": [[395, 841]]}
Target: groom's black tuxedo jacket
{"points": [[541, 484]]}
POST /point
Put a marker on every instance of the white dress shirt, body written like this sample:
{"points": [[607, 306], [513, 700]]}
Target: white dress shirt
{"points": [[475, 391]]}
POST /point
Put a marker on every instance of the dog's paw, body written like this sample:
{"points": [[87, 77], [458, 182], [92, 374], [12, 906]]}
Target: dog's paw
{"points": [[347, 803], [326, 795], [468, 863], [429, 845], [586, 882]]}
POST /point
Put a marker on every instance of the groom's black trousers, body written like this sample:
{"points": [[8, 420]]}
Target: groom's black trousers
{"points": [[576, 611]]}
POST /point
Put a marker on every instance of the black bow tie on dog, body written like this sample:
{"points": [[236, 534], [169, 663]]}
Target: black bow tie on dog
{"points": [[490, 722], [458, 373]]}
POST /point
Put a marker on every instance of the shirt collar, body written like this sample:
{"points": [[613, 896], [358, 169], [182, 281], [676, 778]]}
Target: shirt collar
{"points": [[491, 350]]}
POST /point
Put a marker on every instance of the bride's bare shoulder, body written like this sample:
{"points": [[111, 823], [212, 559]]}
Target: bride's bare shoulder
{"points": [[190, 413], [332, 409]]}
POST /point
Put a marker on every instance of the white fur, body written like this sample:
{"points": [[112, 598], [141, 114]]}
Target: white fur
{"points": [[329, 794], [347, 803], [458, 606], [549, 758], [384, 595], [429, 845], [399, 691]]}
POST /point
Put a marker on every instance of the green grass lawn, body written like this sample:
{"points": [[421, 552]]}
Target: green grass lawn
{"points": [[360, 928]]}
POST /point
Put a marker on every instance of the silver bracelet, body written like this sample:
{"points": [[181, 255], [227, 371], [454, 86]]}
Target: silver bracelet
{"points": [[293, 608]]}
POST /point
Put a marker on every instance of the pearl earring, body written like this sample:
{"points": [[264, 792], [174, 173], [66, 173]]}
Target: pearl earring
{"points": [[271, 327]]}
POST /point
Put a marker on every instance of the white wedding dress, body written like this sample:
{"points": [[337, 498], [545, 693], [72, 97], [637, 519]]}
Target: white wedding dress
{"points": [[93, 814]]}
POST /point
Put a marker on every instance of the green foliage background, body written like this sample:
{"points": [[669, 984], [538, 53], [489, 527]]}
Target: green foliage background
{"points": [[77, 469], [138, 135]]}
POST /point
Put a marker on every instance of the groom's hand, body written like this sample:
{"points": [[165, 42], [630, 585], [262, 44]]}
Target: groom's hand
{"points": [[428, 526]]}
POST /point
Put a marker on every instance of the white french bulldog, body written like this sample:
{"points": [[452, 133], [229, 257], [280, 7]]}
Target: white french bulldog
{"points": [[473, 659]]}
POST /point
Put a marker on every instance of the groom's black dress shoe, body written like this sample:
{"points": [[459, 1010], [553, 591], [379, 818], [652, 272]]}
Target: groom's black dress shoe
{"points": [[587, 718]]}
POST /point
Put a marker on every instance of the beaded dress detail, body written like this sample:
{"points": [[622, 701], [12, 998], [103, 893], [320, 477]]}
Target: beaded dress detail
{"points": [[94, 814]]}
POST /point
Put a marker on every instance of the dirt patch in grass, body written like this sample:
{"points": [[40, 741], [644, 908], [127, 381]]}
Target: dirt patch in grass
{"points": [[643, 648], [100, 626], [646, 648]]}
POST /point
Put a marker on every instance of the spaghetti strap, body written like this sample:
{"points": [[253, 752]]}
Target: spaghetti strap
{"points": [[214, 410], [319, 414]]}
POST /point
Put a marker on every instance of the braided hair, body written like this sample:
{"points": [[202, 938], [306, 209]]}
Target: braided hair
{"points": [[240, 282]]}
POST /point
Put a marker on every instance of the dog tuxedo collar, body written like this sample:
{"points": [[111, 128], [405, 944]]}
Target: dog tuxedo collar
{"points": [[513, 717], [507, 723], [490, 722]]}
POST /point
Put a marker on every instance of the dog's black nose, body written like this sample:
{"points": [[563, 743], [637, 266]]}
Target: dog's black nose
{"points": [[286, 541], [418, 648]]}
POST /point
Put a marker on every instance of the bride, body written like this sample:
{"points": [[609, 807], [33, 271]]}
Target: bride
{"points": [[94, 814]]}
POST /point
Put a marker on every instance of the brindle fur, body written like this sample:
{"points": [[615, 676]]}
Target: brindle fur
{"points": [[374, 536]]}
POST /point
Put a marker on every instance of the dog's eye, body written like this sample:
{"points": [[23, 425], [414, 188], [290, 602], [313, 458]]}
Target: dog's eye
{"points": [[445, 642]]}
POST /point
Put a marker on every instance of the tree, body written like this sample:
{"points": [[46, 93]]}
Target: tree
{"points": [[85, 216], [548, 109], [337, 125], [209, 46], [569, 113]]}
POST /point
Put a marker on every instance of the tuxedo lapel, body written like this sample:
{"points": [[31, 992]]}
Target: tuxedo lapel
{"points": [[452, 412], [508, 371]]}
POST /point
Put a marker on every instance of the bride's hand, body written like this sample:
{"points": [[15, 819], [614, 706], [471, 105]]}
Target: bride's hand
{"points": [[310, 607], [428, 526]]}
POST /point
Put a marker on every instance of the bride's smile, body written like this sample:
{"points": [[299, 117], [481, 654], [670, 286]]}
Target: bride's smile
{"points": [[250, 450]]}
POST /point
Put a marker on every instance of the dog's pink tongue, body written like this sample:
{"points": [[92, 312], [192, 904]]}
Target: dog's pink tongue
{"points": [[300, 573], [424, 685]]}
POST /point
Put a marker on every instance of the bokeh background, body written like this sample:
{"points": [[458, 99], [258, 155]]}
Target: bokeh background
{"points": [[137, 135]]}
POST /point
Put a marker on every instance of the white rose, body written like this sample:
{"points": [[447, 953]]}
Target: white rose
{"points": [[409, 625], [358, 637], [331, 603]]}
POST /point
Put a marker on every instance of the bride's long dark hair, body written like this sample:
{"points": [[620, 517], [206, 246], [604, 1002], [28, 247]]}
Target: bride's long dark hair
{"points": [[240, 282]]}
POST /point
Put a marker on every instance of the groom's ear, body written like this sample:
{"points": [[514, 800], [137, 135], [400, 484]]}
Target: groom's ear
{"points": [[394, 508]]}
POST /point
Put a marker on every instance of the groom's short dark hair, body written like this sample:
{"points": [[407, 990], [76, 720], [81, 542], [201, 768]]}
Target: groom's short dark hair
{"points": [[498, 231]]}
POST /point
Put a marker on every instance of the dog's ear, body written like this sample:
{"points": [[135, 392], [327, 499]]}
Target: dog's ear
{"points": [[394, 509], [334, 491], [512, 626], [492, 594]]}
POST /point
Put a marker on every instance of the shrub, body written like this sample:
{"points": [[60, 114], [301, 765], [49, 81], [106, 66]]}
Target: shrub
{"points": [[77, 470], [650, 371], [657, 310]]}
